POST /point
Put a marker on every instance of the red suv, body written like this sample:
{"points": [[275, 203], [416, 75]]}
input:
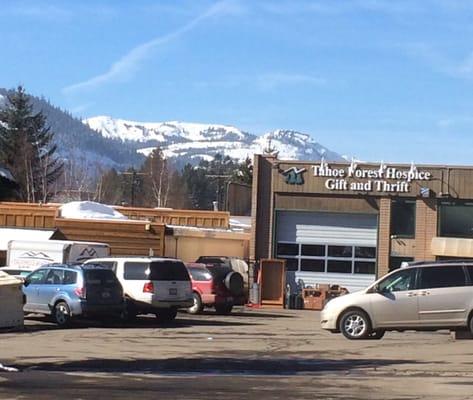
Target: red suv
{"points": [[215, 286]]}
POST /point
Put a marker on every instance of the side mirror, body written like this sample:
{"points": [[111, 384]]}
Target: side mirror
{"points": [[373, 289], [26, 282]]}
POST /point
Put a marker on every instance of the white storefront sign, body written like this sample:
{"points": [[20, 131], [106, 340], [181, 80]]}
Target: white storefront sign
{"points": [[383, 179]]}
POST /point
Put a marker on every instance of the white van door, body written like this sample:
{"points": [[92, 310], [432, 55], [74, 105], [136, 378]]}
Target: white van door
{"points": [[394, 303], [444, 297]]}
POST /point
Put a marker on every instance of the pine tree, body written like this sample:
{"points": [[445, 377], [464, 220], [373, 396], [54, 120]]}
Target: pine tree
{"points": [[27, 149]]}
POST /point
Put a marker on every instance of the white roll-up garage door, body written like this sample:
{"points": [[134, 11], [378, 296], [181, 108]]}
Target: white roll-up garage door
{"points": [[328, 248]]}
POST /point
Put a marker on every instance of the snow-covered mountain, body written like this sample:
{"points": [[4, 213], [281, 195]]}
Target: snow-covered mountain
{"points": [[192, 142]]}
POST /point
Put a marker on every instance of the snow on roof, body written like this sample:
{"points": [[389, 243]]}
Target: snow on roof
{"points": [[89, 210], [5, 173], [7, 279], [7, 234], [240, 223]]}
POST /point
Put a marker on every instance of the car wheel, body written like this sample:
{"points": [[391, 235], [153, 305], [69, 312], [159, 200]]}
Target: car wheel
{"points": [[376, 334], [197, 307], [470, 324], [223, 309], [62, 314], [130, 311], [355, 325], [166, 314]]}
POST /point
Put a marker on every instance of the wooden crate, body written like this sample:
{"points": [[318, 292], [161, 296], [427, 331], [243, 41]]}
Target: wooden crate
{"points": [[314, 299]]}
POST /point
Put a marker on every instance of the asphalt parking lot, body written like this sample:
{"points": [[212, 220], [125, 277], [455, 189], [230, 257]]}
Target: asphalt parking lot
{"points": [[262, 353]]}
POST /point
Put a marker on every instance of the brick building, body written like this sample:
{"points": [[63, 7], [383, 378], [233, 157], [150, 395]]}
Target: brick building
{"points": [[348, 223]]}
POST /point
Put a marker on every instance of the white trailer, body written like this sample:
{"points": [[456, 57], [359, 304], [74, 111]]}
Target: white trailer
{"points": [[30, 255], [11, 300]]}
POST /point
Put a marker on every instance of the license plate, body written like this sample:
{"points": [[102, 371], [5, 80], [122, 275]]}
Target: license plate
{"points": [[105, 295], [173, 291]]}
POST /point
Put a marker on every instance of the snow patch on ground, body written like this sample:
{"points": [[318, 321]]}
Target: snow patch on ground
{"points": [[89, 210]]}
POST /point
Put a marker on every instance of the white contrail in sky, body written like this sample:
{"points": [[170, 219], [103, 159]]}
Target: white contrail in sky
{"points": [[129, 63]]}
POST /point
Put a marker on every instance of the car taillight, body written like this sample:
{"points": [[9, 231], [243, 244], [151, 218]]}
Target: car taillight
{"points": [[80, 292], [148, 287]]}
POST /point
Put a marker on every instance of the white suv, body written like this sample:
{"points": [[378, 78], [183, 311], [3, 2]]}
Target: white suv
{"points": [[421, 296], [151, 284]]}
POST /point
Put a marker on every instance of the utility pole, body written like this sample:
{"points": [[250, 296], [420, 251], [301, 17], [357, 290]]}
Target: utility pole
{"points": [[133, 175], [218, 177]]}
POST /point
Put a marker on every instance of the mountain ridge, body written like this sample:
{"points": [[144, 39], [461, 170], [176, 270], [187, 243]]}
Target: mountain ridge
{"points": [[196, 141]]}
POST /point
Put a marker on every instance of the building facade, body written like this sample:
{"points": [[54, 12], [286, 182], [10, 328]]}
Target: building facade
{"points": [[348, 223]]}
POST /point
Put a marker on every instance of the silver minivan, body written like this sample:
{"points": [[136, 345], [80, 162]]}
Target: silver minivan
{"points": [[421, 296]]}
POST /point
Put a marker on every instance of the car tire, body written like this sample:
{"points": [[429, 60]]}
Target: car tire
{"points": [[197, 307], [355, 325], [62, 314], [130, 312], [223, 309], [376, 334], [166, 315], [470, 324]]}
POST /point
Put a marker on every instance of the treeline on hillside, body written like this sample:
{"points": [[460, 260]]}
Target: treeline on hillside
{"points": [[157, 183], [28, 149], [77, 142]]}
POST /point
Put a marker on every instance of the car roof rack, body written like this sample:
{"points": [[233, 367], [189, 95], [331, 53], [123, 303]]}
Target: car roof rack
{"points": [[435, 262]]}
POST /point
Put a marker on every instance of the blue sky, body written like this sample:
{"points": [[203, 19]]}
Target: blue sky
{"points": [[379, 80]]}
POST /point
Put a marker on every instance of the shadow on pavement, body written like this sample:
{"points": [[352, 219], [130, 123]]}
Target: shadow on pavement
{"points": [[215, 365], [43, 324]]}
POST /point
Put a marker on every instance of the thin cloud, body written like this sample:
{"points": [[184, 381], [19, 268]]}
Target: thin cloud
{"points": [[455, 122], [80, 108], [264, 82], [438, 61], [338, 7], [274, 80], [127, 66], [37, 11]]}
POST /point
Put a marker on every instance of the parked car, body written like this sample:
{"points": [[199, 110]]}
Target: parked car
{"points": [[236, 264], [215, 286], [151, 284], [421, 296], [68, 291]]}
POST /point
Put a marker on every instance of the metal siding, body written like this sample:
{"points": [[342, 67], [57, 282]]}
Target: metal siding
{"points": [[349, 281], [354, 225]]}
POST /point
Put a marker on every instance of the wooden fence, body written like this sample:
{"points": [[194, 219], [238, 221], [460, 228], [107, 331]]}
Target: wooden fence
{"points": [[130, 238]]}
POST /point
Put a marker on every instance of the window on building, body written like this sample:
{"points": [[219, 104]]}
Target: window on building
{"points": [[339, 266], [403, 218], [365, 267], [328, 258], [340, 251], [292, 264], [396, 262], [456, 219], [290, 253], [312, 265], [315, 250], [288, 249]]}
